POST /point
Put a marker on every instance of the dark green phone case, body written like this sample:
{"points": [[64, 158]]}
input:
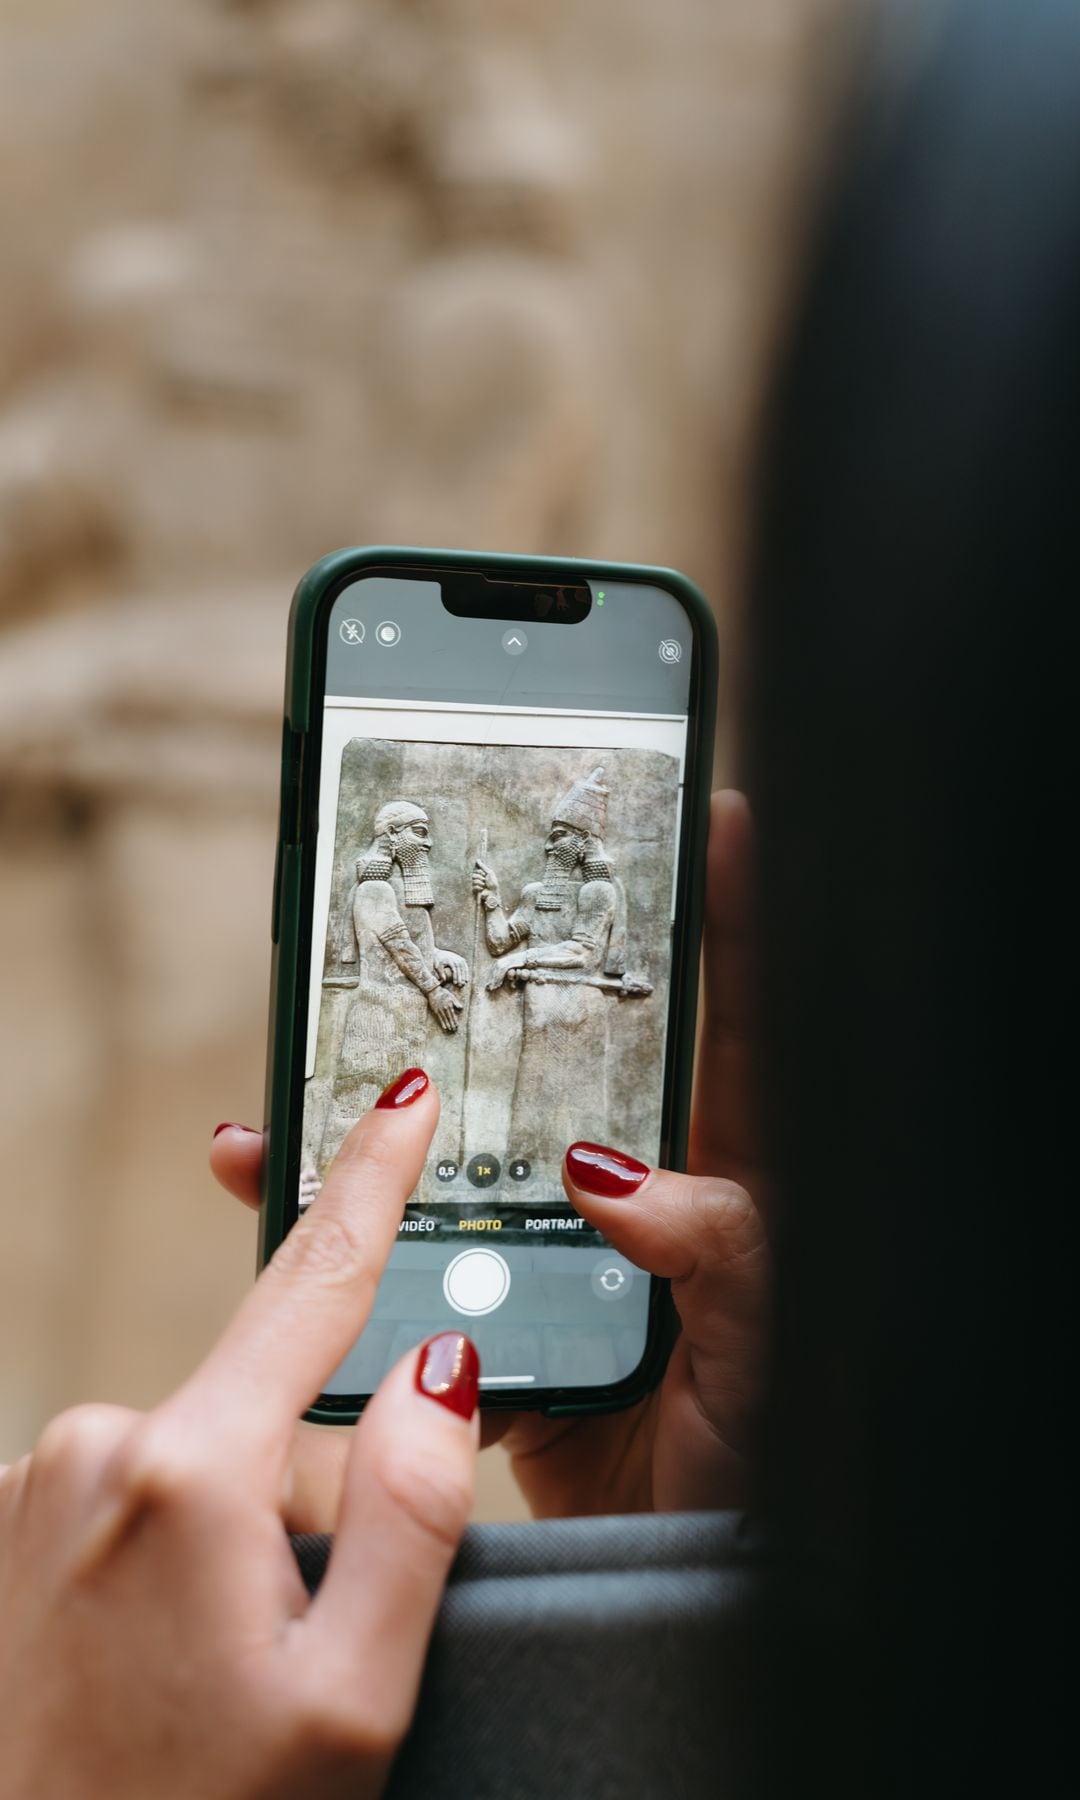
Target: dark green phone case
{"points": [[294, 871]]}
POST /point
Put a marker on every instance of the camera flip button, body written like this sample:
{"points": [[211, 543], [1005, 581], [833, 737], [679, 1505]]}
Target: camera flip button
{"points": [[612, 1278]]}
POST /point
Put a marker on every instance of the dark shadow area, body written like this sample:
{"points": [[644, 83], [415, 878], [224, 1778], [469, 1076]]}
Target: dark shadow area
{"points": [[912, 768]]}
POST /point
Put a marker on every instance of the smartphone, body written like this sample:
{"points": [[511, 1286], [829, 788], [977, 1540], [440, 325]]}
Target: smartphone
{"points": [[494, 810]]}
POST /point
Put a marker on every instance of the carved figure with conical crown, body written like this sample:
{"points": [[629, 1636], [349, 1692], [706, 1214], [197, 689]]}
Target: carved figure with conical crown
{"points": [[564, 946]]}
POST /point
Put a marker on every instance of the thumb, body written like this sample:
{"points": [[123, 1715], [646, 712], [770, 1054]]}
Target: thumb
{"points": [[706, 1237], [405, 1503]]}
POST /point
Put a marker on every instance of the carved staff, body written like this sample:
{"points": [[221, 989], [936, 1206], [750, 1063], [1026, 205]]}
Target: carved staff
{"points": [[473, 968], [627, 987]]}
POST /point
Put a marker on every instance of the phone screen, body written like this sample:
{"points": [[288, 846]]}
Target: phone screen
{"points": [[496, 892]]}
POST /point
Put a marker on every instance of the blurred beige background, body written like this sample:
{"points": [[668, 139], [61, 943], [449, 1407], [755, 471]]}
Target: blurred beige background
{"points": [[279, 276]]}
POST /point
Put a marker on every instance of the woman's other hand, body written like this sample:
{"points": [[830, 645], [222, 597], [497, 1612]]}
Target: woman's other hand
{"points": [[684, 1447]]}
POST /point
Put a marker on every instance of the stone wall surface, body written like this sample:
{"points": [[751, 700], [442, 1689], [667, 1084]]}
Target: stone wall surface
{"points": [[279, 276]]}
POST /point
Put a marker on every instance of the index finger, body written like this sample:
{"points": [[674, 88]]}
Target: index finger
{"points": [[313, 1299]]}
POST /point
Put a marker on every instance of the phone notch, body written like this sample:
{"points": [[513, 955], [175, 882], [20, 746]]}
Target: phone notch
{"points": [[522, 602]]}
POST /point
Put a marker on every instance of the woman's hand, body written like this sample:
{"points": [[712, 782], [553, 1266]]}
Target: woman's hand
{"points": [[155, 1635], [684, 1447]]}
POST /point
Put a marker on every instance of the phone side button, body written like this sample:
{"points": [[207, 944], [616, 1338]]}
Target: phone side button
{"points": [[275, 905]]}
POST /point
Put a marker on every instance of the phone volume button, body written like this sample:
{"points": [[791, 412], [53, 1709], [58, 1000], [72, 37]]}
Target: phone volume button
{"points": [[292, 769], [275, 905]]}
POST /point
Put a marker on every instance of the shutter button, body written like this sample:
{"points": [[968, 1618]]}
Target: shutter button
{"points": [[476, 1282]]}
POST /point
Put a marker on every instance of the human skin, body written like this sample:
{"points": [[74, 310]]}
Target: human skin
{"points": [[685, 1446], [155, 1635]]}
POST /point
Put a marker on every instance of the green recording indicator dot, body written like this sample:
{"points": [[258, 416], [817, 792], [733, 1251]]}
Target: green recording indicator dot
{"points": [[600, 598]]}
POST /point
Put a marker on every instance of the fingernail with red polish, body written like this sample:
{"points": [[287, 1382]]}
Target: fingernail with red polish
{"points": [[231, 1125], [404, 1090], [605, 1172], [448, 1370]]}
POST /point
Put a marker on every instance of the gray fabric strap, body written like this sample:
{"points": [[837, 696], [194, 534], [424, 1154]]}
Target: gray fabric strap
{"points": [[584, 1659]]}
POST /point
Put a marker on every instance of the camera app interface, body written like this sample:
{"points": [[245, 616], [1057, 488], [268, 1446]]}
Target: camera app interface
{"points": [[495, 891]]}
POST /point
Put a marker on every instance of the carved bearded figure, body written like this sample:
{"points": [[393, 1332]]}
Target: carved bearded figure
{"points": [[403, 981], [564, 946]]}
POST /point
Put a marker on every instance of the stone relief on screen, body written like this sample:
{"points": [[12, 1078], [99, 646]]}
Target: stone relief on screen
{"points": [[397, 978], [500, 915]]}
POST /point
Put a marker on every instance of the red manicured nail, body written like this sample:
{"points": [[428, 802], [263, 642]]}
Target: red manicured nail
{"points": [[605, 1172], [404, 1090], [231, 1125], [448, 1370]]}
